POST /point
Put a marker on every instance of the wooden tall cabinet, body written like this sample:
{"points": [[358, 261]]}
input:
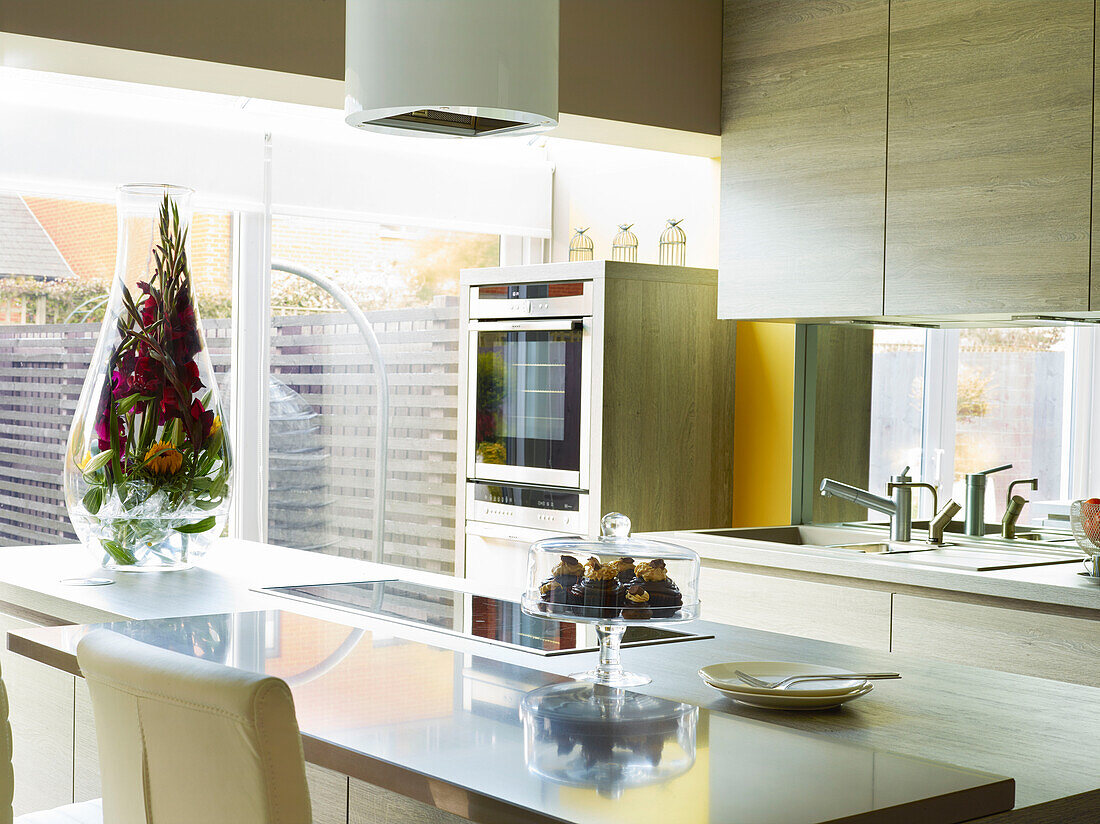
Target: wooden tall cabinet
{"points": [[803, 158], [990, 152]]}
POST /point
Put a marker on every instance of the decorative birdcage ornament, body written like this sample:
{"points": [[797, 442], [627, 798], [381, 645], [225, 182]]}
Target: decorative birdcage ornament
{"points": [[581, 247], [625, 245], [672, 250]]}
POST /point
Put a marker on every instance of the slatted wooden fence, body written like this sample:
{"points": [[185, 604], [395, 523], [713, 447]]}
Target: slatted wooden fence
{"points": [[325, 360]]}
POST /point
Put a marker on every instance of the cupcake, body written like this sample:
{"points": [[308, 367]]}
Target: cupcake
{"points": [[624, 570], [597, 594], [635, 603], [556, 591], [664, 596]]}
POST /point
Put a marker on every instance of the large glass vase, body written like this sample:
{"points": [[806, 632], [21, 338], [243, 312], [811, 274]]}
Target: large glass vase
{"points": [[148, 465]]}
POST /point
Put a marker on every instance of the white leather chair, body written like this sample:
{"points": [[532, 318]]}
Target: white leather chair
{"points": [[183, 741]]}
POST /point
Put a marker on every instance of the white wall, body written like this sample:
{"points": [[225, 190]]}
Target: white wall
{"points": [[602, 186]]}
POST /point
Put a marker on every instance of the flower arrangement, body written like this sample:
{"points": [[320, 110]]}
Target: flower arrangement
{"points": [[157, 459]]}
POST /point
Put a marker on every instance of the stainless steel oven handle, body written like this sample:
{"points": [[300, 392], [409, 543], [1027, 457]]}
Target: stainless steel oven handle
{"points": [[554, 325]]}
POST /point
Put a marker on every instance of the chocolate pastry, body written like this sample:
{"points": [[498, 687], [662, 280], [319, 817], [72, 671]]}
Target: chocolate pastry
{"points": [[624, 570], [635, 603], [556, 591], [568, 571], [554, 597], [597, 594], [664, 596]]}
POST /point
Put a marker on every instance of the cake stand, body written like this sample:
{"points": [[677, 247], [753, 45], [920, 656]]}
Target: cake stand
{"points": [[604, 606]]}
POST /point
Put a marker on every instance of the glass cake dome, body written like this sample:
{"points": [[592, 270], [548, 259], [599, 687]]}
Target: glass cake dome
{"points": [[613, 582]]}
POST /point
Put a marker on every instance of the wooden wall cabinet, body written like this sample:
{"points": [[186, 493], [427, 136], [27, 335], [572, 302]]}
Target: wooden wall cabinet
{"points": [[907, 158], [988, 200], [803, 158]]}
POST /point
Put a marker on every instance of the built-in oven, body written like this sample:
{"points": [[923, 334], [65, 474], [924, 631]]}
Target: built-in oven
{"points": [[503, 520], [530, 384]]}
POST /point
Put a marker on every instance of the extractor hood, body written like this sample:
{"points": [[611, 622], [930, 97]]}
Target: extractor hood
{"points": [[452, 68]]}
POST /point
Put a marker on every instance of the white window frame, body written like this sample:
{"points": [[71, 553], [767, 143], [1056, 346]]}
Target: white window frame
{"points": [[1080, 459]]}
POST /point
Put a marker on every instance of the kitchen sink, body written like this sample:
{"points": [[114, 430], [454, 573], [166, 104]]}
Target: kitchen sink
{"points": [[992, 532], [798, 535], [1044, 537], [982, 555], [979, 559]]}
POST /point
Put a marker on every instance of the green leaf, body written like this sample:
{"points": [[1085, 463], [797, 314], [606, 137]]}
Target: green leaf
{"points": [[93, 499], [127, 403], [174, 433], [201, 526], [201, 504], [119, 552], [98, 462]]}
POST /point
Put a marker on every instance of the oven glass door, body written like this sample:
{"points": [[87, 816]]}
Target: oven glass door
{"points": [[528, 402]]}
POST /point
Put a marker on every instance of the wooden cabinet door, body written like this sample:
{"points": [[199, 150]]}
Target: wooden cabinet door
{"points": [[1013, 640], [826, 612], [87, 783], [803, 158], [40, 704], [368, 804], [990, 156]]}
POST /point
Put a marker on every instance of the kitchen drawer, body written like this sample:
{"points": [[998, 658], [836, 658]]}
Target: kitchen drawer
{"points": [[1013, 640], [825, 612]]}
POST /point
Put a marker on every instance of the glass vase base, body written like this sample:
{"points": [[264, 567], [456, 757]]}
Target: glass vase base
{"points": [[150, 568], [612, 679]]}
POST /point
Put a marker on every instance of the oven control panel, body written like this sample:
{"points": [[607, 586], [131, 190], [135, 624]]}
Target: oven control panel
{"points": [[560, 510], [524, 300]]}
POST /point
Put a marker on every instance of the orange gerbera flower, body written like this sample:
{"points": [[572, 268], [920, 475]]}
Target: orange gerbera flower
{"points": [[163, 459]]}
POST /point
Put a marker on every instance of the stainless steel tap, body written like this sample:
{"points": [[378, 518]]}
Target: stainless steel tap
{"points": [[1014, 505], [974, 517], [892, 487], [938, 523], [899, 507]]}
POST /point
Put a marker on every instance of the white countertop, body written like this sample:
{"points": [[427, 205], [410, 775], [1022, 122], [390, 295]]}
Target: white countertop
{"points": [[1050, 584]]}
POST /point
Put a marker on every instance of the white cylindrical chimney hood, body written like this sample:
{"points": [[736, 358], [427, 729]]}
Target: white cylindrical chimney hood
{"points": [[457, 68]]}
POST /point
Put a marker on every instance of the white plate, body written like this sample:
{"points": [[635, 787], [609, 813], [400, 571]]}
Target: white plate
{"points": [[722, 677], [778, 701]]}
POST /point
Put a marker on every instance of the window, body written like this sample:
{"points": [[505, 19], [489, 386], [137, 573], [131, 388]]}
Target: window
{"points": [[952, 402], [897, 403], [323, 410]]}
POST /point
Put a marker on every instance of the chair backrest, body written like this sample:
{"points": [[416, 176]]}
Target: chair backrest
{"points": [[182, 740], [7, 774]]}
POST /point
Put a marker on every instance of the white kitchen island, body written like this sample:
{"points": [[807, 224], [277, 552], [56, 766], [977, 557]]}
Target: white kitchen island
{"points": [[1038, 732]]}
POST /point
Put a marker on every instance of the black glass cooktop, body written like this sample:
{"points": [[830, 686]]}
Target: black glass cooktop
{"points": [[471, 616]]}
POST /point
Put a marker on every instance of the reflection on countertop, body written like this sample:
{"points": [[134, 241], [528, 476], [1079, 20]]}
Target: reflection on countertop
{"points": [[539, 743]]}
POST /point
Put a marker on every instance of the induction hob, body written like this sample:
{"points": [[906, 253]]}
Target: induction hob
{"points": [[478, 617]]}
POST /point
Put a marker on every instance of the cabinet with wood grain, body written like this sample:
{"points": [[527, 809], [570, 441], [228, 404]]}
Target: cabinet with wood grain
{"points": [[988, 182], [792, 606], [40, 705], [907, 158], [1028, 642], [803, 158]]}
